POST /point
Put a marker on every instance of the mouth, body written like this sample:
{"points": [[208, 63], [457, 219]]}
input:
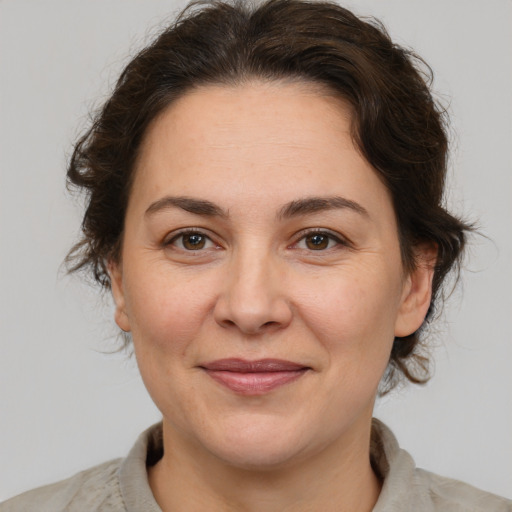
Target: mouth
{"points": [[254, 377]]}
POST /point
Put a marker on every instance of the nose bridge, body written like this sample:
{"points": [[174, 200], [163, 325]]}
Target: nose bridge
{"points": [[253, 298]]}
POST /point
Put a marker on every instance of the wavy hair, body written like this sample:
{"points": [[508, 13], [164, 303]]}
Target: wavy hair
{"points": [[397, 125]]}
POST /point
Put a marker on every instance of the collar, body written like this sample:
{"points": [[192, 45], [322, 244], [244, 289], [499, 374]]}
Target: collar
{"points": [[400, 491]]}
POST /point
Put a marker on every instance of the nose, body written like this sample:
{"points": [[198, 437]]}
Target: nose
{"points": [[253, 296]]}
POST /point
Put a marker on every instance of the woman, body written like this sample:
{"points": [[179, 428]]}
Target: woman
{"points": [[265, 202]]}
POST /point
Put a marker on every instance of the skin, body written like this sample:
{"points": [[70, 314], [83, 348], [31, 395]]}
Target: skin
{"points": [[258, 288]]}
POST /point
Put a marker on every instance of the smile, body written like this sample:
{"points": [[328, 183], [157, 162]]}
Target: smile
{"points": [[254, 377]]}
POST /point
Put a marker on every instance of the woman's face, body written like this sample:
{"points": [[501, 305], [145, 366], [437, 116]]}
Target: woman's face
{"points": [[261, 275]]}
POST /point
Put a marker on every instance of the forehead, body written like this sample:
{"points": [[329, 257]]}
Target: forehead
{"points": [[261, 112], [280, 140]]}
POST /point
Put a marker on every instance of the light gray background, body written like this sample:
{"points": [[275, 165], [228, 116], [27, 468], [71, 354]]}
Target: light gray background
{"points": [[65, 406]]}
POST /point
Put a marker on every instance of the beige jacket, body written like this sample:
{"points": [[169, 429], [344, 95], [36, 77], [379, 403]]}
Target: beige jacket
{"points": [[121, 485]]}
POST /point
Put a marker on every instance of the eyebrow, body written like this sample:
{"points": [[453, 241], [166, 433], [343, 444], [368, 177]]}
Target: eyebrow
{"points": [[310, 205], [189, 204], [305, 206]]}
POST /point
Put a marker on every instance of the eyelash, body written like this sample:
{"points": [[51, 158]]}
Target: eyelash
{"points": [[189, 232], [331, 237], [338, 239]]}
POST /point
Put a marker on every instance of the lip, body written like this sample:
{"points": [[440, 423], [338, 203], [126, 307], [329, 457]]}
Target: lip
{"points": [[254, 377]]}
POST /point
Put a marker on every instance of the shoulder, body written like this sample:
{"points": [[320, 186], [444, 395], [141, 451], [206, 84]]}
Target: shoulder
{"points": [[116, 486], [93, 490], [455, 496], [406, 487]]}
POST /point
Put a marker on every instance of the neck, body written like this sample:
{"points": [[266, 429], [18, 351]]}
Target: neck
{"points": [[339, 478]]}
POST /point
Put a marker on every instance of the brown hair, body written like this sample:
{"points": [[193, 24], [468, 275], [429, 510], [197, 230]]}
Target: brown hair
{"points": [[397, 125]]}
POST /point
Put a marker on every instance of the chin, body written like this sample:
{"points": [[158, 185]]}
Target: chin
{"points": [[257, 457], [258, 446]]}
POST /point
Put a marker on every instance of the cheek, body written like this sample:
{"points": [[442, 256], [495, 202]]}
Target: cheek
{"points": [[168, 316], [166, 311], [354, 304], [354, 317]]}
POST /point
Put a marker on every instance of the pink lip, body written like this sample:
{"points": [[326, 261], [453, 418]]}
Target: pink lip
{"points": [[254, 377]]}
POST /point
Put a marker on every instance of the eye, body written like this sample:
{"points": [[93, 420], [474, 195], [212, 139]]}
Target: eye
{"points": [[191, 241], [319, 241]]}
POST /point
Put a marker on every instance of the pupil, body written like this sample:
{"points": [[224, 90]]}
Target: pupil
{"points": [[194, 241], [318, 242]]}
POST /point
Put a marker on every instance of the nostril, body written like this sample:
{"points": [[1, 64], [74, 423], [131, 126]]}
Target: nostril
{"points": [[253, 328], [252, 313]]}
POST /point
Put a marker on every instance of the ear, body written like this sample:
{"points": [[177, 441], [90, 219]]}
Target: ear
{"points": [[116, 281], [417, 291]]}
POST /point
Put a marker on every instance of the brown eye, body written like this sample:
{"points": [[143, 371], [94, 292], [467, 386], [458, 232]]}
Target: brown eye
{"points": [[191, 241], [317, 241], [194, 241]]}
